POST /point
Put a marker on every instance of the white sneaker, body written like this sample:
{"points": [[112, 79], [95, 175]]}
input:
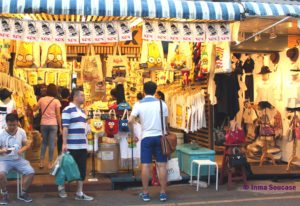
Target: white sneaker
{"points": [[62, 193], [83, 197]]}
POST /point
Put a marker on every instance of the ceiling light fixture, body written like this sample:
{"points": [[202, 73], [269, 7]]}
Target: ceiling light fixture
{"points": [[257, 38]]}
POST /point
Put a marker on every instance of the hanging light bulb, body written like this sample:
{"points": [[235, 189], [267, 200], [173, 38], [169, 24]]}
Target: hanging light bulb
{"points": [[257, 38]]}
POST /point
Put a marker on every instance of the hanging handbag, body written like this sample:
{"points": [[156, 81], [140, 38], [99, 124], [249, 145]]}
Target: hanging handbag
{"points": [[123, 124], [220, 133], [124, 106], [266, 128], [237, 158], [236, 136], [113, 106], [112, 124], [116, 61], [168, 141]]}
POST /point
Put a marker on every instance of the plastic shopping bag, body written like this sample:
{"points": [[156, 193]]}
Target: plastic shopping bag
{"points": [[70, 168], [173, 171]]}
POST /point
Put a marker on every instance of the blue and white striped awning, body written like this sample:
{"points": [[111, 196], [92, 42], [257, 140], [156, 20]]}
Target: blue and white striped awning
{"points": [[182, 9], [269, 9]]}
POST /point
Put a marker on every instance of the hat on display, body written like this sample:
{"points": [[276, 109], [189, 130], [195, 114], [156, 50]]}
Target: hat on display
{"points": [[4, 94], [274, 57], [265, 70], [292, 54], [293, 103]]}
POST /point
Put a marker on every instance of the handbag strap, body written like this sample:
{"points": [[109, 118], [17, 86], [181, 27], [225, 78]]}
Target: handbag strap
{"points": [[125, 112], [161, 118], [47, 106], [114, 113]]}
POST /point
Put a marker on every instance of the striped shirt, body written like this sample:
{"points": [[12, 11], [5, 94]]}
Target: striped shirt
{"points": [[74, 119]]}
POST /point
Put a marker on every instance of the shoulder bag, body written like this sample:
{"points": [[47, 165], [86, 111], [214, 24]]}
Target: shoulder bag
{"points": [[168, 141]]}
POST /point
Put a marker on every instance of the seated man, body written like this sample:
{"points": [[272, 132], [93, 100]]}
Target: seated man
{"points": [[13, 143]]}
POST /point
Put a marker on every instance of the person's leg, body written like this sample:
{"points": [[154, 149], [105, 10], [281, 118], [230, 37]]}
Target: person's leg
{"points": [[3, 182], [145, 177], [5, 167], [162, 168], [44, 131], [162, 165], [146, 160], [52, 138], [59, 143]]}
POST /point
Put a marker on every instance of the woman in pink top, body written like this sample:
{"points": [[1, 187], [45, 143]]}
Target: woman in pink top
{"points": [[50, 122]]}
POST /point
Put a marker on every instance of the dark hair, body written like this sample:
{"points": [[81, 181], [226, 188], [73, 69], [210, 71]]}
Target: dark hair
{"points": [[161, 24], [75, 92], [71, 27], [114, 92], [52, 90], [198, 26], [65, 93], [186, 27], [223, 26], [58, 26], [237, 55], [140, 96], [97, 26], [150, 88], [17, 23], [210, 27], [110, 26], [84, 26], [45, 26], [31, 24], [123, 24], [12, 117], [161, 94], [120, 93]]}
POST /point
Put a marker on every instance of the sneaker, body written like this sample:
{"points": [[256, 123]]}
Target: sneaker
{"points": [[83, 197], [25, 197], [163, 197], [4, 199], [145, 197], [62, 193]]}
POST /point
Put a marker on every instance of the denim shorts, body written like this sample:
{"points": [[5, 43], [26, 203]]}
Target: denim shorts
{"points": [[21, 165], [151, 146]]}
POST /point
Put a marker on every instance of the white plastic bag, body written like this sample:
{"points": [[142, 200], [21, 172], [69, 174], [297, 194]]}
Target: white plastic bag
{"points": [[172, 170]]}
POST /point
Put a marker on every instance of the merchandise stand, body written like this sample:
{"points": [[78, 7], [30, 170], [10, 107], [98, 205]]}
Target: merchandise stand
{"points": [[293, 158]]}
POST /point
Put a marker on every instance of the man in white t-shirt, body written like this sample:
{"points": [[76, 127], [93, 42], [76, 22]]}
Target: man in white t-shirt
{"points": [[13, 143], [149, 113]]}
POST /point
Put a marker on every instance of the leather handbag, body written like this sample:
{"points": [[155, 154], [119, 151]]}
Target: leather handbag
{"points": [[236, 136], [237, 158], [168, 141], [123, 124], [266, 129], [112, 124]]}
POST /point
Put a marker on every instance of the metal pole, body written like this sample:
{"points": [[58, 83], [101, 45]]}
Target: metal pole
{"points": [[265, 29]]}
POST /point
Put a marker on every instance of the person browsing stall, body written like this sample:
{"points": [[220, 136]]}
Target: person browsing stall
{"points": [[149, 113], [74, 123], [13, 144]]}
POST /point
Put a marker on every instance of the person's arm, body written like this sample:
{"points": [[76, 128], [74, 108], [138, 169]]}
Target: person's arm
{"points": [[58, 117], [3, 151], [131, 120], [37, 106], [25, 144], [65, 123]]}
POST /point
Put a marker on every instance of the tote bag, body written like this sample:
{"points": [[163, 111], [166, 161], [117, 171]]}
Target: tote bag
{"points": [[116, 64], [123, 125], [91, 66], [112, 124]]}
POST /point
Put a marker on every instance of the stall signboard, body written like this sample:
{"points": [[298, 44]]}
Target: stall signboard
{"points": [[186, 31], [65, 32]]}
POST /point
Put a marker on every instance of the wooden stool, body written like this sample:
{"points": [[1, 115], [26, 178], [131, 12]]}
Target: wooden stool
{"points": [[234, 173]]}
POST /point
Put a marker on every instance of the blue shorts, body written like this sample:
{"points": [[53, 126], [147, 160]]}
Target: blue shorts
{"points": [[151, 146], [21, 165]]}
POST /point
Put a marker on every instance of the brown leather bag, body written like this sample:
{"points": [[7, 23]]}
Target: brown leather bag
{"points": [[168, 141]]}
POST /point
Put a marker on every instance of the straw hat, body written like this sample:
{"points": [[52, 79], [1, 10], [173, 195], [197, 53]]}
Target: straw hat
{"points": [[274, 57], [293, 54]]}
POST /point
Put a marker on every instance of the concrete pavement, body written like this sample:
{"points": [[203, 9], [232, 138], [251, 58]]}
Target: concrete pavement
{"points": [[266, 193]]}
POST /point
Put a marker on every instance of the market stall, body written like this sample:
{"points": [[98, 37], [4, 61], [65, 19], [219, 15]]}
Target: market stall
{"points": [[103, 46]]}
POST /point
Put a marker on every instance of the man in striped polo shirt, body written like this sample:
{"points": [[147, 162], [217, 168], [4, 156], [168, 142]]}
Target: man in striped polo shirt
{"points": [[74, 139]]}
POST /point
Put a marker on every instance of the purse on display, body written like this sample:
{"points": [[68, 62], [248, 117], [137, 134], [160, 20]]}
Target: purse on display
{"points": [[123, 124], [237, 158], [236, 136], [124, 106], [266, 128], [113, 106], [168, 141], [112, 124]]}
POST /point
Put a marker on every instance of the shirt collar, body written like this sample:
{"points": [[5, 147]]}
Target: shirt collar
{"points": [[149, 96]]}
